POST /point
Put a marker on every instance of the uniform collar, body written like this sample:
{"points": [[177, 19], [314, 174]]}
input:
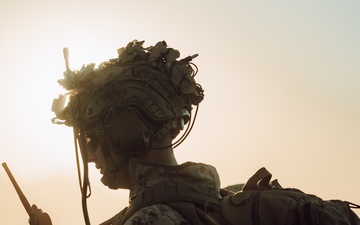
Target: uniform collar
{"points": [[144, 174]]}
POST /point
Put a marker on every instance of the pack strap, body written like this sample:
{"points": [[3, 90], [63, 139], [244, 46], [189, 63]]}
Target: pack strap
{"points": [[260, 179], [170, 191], [353, 205], [173, 191]]}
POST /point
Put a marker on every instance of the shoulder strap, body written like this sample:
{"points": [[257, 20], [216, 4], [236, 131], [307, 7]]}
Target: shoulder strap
{"points": [[170, 191], [118, 217]]}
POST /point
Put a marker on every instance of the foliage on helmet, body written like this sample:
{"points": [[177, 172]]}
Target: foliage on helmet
{"points": [[157, 67]]}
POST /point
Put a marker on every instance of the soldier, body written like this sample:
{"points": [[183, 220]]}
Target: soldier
{"points": [[125, 114]]}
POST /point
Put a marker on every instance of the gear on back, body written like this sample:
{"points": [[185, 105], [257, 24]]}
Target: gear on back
{"points": [[260, 201]]}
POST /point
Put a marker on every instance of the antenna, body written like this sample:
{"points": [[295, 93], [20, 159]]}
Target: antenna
{"points": [[21, 195], [66, 57]]}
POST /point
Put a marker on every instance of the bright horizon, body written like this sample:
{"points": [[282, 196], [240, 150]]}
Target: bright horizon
{"points": [[281, 83]]}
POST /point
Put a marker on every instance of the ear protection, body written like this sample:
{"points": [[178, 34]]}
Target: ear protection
{"points": [[128, 132]]}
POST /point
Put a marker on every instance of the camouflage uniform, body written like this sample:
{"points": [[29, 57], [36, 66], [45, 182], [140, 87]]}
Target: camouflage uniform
{"points": [[145, 174]]}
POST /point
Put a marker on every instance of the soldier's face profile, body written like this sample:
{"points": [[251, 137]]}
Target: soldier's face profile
{"points": [[114, 179]]}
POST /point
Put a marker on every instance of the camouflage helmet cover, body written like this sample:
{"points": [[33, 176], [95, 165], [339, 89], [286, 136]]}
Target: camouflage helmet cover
{"points": [[150, 79]]}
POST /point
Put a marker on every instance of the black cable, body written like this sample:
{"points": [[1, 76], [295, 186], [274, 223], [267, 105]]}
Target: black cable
{"points": [[183, 136], [194, 72], [84, 184], [77, 157], [179, 140], [84, 195], [189, 128]]}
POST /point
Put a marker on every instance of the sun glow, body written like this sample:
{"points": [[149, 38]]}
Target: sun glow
{"points": [[281, 91]]}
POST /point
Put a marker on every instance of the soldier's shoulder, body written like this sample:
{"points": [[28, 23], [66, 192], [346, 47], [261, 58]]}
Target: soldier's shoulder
{"points": [[155, 215]]}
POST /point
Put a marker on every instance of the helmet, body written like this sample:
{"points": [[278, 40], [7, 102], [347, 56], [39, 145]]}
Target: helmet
{"points": [[147, 86]]}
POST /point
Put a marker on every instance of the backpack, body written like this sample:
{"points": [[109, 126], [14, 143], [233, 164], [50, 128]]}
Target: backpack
{"points": [[260, 202], [267, 203]]}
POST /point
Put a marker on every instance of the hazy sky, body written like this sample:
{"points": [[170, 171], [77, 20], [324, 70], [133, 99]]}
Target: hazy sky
{"points": [[281, 82]]}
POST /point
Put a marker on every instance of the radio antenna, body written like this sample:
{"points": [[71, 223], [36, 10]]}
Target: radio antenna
{"points": [[21, 195], [66, 57]]}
